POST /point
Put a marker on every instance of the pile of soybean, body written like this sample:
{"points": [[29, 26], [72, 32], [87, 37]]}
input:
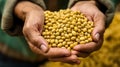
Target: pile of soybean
{"points": [[66, 28]]}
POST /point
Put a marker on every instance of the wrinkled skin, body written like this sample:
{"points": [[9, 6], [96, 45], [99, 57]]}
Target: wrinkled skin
{"points": [[91, 11], [33, 17]]}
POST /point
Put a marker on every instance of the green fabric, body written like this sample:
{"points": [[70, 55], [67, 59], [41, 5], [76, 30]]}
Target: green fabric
{"points": [[115, 2], [18, 44], [2, 2]]}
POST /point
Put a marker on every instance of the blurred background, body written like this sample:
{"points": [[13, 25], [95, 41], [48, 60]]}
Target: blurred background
{"points": [[108, 55]]}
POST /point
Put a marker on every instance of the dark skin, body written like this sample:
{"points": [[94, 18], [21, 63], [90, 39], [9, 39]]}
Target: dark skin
{"points": [[96, 16], [33, 17]]}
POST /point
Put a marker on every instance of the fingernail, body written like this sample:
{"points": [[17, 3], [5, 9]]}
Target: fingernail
{"points": [[97, 36], [43, 48]]}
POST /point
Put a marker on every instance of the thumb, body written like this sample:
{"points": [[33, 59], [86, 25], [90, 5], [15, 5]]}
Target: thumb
{"points": [[35, 39], [43, 44], [99, 27]]}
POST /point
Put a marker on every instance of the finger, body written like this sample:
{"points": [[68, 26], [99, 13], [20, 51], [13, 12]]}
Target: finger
{"points": [[80, 54], [33, 35], [35, 49], [99, 26], [40, 43], [71, 59], [32, 30], [89, 17], [57, 52], [89, 47], [52, 53]]}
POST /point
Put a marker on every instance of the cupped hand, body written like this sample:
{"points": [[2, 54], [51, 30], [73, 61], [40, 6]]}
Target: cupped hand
{"points": [[33, 17], [32, 31], [91, 11]]}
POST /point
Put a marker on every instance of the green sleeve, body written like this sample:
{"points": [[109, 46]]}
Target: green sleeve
{"points": [[2, 3], [17, 43], [109, 11], [7, 22], [116, 2], [10, 23]]}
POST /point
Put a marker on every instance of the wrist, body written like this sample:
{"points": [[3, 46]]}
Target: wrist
{"points": [[25, 7]]}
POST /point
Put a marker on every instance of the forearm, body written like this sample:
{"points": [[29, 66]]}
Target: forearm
{"points": [[25, 7]]}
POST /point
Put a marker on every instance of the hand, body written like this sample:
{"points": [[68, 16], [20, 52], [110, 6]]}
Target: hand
{"points": [[90, 10], [32, 31], [33, 16]]}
